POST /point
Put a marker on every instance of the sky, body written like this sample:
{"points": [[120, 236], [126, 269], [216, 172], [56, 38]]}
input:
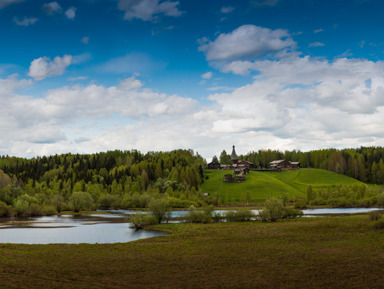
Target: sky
{"points": [[87, 76]]}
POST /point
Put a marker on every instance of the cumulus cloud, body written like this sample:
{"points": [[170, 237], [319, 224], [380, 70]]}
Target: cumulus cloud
{"points": [[25, 22], [207, 75], [148, 10], [255, 42], [52, 8], [294, 103], [4, 3], [307, 103], [93, 113], [44, 67], [71, 13]]}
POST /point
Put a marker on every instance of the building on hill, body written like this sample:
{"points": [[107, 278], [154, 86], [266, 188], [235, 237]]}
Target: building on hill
{"points": [[214, 165], [234, 158], [284, 164]]}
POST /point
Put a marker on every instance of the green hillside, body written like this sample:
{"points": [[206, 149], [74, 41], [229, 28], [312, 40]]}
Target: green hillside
{"points": [[259, 186]]}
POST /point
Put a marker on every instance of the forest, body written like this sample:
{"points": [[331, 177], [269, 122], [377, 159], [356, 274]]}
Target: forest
{"points": [[131, 179], [113, 179]]}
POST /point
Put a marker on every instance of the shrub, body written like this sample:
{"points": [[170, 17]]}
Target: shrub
{"points": [[139, 220], [21, 207], [274, 209], [35, 210], [264, 215], [241, 215], [58, 202], [160, 209], [291, 212], [379, 224], [199, 216], [49, 210], [300, 203], [4, 211], [374, 215], [106, 201], [178, 203], [80, 201]]}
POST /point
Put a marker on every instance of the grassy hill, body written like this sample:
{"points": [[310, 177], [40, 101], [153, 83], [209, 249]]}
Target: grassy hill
{"points": [[259, 186]]}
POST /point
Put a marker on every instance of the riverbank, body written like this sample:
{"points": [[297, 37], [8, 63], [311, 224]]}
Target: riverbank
{"points": [[302, 253]]}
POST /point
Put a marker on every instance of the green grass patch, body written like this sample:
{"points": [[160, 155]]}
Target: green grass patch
{"points": [[263, 185], [337, 252]]}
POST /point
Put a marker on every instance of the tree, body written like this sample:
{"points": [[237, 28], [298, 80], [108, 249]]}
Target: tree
{"points": [[214, 159], [80, 201], [58, 202], [225, 158], [160, 209]]}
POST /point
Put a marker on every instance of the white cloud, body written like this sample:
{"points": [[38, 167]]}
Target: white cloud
{"points": [[255, 42], [52, 8], [148, 10], [294, 103], [316, 44], [85, 40], [318, 30], [25, 22], [227, 9], [43, 67], [308, 103], [71, 13], [4, 3], [207, 75], [100, 116]]}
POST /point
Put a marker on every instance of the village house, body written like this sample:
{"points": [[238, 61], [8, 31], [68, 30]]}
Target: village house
{"points": [[284, 164], [214, 166]]}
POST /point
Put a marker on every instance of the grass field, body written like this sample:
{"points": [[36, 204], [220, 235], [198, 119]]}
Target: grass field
{"points": [[262, 185], [337, 252]]}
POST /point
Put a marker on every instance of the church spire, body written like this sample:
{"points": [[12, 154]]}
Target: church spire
{"points": [[234, 156]]}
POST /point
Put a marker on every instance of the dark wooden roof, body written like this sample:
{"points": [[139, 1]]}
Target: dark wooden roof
{"points": [[233, 155]]}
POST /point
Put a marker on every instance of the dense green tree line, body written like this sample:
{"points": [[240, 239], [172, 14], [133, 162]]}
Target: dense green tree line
{"points": [[108, 179]]}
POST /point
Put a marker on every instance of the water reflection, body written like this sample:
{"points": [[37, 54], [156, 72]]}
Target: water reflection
{"points": [[72, 230]]}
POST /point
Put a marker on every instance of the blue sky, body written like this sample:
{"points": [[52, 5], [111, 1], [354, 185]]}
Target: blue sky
{"points": [[93, 75]]}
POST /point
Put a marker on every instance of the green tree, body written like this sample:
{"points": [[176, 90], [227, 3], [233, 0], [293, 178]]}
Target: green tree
{"points": [[225, 158], [160, 209], [80, 201]]}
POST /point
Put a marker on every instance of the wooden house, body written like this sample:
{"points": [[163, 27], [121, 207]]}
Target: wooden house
{"points": [[284, 164], [214, 166]]}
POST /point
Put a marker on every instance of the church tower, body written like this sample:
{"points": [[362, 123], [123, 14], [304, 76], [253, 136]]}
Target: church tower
{"points": [[234, 158]]}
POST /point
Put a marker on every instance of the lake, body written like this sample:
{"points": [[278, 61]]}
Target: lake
{"points": [[103, 228], [326, 211], [69, 229]]}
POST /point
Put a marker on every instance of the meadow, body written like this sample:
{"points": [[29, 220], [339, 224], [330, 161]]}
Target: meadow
{"points": [[260, 186], [337, 252]]}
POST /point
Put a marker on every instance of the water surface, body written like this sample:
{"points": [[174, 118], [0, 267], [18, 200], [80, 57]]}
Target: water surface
{"points": [[70, 229]]}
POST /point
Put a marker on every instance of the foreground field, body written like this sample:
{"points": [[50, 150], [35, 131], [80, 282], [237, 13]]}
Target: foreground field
{"points": [[337, 252], [259, 186]]}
